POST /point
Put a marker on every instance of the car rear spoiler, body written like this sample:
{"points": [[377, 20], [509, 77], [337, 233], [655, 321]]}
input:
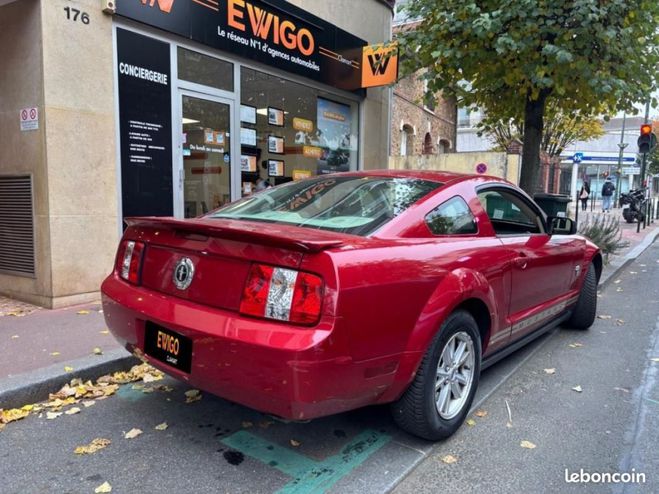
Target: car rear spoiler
{"points": [[287, 237]]}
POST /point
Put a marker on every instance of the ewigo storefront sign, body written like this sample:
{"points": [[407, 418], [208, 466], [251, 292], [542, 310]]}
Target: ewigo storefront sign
{"points": [[275, 33]]}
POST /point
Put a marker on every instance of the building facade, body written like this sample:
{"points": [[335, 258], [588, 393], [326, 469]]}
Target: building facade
{"points": [[421, 124], [168, 108]]}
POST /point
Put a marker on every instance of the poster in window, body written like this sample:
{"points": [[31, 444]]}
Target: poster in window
{"points": [[248, 114], [275, 117], [334, 136], [275, 144], [275, 168], [247, 136], [247, 163]]}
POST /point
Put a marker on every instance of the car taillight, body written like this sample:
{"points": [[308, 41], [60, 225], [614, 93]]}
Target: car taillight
{"points": [[282, 294], [129, 260]]}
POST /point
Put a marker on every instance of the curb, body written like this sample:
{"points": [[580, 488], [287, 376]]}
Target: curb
{"points": [[35, 386], [618, 265]]}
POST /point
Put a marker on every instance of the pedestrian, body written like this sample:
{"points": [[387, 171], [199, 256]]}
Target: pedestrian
{"points": [[584, 194], [607, 194]]}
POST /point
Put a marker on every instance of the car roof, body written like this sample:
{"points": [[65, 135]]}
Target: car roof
{"points": [[444, 177]]}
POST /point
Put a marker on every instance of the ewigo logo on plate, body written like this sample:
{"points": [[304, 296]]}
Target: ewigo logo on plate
{"points": [[164, 5]]}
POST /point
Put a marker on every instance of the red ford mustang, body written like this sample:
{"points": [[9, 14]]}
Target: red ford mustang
{"points": [[346, 290]]}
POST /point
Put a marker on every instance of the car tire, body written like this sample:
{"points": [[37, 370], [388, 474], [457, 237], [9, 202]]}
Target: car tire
{"points": [[417, 410], [583, 314]]}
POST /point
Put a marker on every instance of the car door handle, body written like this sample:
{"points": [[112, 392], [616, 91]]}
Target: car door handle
{"points": [[522, 261]]}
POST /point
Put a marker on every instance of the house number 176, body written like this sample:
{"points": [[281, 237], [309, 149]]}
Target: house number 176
{"points": [[76, 15]]}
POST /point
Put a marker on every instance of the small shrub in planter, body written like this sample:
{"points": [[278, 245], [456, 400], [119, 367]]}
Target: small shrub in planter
{"points": [[604, 231]]}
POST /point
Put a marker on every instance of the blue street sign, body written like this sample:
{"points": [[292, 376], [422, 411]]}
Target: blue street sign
{"points": [[577, 157]]}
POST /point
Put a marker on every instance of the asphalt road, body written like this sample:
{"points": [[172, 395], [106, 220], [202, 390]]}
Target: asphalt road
{"points": [[215, 446]]}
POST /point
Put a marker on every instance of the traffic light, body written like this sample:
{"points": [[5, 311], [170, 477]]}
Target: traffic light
{"points": [[647, 141]]}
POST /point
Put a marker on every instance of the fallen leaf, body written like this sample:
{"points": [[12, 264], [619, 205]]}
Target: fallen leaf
{"points": [[246, 424], [509, 424], [13, 414], [161, 427], [83, 312], [470, 422], [527, 445], [14, 336], [578, 389], [480, 413], [72, 411], [575, 345], [104, 488], [633, 272], [449, 459], [619, 289], [550, 371], [105, 331], [54, 354], [295, 443], [264, 424], [132, 434], [192, 395], [97, 351], [27, 408], [52, 415], [617, 281], [89, 403], [620, 322], [149, 378], [93, 447], [624, 390], [604, 316], [68, 369]]}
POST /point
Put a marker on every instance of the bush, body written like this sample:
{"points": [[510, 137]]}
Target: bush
{"points": [[604, 231]]}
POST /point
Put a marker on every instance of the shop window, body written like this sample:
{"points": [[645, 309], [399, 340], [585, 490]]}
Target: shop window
{"points": [[290, 131], [202, 69]]}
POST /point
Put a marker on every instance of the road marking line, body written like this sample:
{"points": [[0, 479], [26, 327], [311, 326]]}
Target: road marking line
{"points": [[308, 475]]}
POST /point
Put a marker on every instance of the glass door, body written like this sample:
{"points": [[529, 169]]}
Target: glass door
{"points": [[205, 173]]}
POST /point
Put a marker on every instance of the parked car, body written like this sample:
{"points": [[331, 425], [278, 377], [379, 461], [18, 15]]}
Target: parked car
{"points": [[341, 291]]}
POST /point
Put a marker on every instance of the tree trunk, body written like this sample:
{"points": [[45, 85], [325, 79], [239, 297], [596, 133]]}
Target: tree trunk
{"points": [[534, 113]]}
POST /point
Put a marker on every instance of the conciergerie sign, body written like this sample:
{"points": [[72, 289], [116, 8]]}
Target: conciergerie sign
{"points": [[275, 33]]}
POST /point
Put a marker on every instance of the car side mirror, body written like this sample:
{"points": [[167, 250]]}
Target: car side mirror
{"points": [[561, 226]]}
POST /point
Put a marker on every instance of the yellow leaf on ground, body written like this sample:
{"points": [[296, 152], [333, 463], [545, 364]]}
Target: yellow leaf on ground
{"points": [[104, 488], [604, 316], [449, 459], [161, 427], [575, 345], [470, 422], [13, 414], [97, 351], [68, 369], [578, 389], [149, 378], [295, 443], [132, 434], [83, 312], [105, 331], [192, 395], [54, 354], [72, 411], [88, 403], [27, 408], [550, 371], [14, 336], [480, 413], [52, 415], [527, 445]]}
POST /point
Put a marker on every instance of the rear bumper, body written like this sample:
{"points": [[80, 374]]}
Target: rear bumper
{"points": [[293, 372]]}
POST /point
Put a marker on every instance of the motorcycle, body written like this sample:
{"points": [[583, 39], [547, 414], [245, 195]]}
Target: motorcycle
{"points": [[633, 205]]}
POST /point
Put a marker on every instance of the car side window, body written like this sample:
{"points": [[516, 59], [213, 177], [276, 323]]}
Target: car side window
{"points": [[509, 213], [452, 217]]}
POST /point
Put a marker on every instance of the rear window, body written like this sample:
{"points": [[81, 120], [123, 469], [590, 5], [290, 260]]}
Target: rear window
{"points": [[353, 205]]}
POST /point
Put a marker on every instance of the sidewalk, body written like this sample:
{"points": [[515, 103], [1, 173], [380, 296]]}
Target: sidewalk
{"points": [[43, 349]]}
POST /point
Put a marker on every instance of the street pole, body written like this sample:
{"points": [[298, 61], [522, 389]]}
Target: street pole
{"points": [[622, 146]]}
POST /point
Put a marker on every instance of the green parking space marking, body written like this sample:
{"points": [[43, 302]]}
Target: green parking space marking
{"points": [[308, 475]]}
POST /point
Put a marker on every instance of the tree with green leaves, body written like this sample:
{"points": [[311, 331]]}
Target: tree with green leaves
{"points": [[512, 58]]}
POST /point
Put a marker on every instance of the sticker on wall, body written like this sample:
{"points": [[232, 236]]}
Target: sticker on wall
{"points": [[29, 119]]}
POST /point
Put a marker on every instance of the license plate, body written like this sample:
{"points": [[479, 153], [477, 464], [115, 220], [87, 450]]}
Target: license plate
{"points": [[168, 346]]}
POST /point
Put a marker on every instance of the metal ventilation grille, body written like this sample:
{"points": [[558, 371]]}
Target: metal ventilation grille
{"points": [[16, 225]]}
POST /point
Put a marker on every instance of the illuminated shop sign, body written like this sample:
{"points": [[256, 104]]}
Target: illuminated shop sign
{"points": [[275, 33]]}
